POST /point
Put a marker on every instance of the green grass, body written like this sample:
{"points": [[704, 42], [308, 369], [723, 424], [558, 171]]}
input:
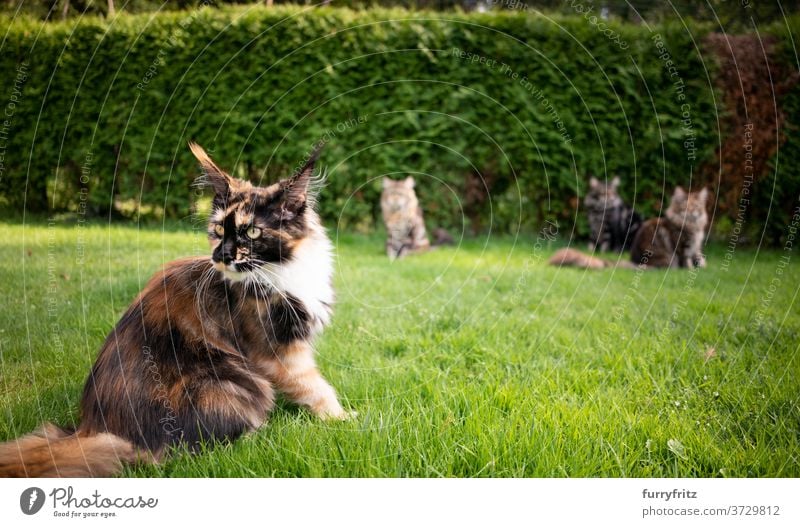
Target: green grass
{"points": [[472, 361]]}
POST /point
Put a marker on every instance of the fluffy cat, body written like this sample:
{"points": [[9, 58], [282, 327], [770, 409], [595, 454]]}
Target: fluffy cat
{"points": [[613, 224], [200, 352], [402, 214], [674, 240]]}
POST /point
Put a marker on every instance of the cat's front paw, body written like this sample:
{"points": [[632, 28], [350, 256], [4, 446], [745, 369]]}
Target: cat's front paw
{"points": [[701, 262], [331, 410], [339, 414], [349, 415]]}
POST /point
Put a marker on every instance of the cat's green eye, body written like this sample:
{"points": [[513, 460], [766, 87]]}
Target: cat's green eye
{"points": [[253, 233], [219, 230]]}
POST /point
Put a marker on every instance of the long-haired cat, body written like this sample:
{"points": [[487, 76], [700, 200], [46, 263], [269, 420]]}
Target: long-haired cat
{"points": [[402, 214], [613, 224], [675, 240], [201, 351]]}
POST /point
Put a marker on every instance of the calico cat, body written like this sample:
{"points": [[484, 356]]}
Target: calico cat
{"points": [[201, 351], [613, 224], [674, 240], [402, 214]]}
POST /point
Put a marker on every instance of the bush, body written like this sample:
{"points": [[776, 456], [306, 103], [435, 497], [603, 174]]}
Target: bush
{"points": [[500, 115], [777, 198], [755, 85]]}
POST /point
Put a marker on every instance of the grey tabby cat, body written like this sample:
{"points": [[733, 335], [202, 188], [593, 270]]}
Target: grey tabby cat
{"points": [[613, 224], [402, 215]]}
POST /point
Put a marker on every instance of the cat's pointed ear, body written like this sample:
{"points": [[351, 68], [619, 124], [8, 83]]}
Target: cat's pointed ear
{"points": [[214, 176], [387, 182], [295, 191], [679, 193], [409, 182], [593, 183], [703, 195], [615, 182]]}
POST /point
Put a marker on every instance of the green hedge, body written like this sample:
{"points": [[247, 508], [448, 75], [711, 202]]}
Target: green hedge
{"points": [[105, 111]]}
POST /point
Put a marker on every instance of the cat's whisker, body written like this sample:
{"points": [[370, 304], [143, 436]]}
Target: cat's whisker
{"points": [[279, 292], [202, 288], [264, 275], [263, 292]]}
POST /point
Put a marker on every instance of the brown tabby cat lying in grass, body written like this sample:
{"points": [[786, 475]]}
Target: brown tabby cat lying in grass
{"points": [[675, 240], [201, 351]]}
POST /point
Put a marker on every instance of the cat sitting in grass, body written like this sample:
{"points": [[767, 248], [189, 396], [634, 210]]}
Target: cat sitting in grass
{"points": [[613, 224], [674, 240], [402, 215], [202, 350]]}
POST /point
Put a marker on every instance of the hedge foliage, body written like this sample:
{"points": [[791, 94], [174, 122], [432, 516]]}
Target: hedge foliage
{"points": [[500, 116], [781, 188]]}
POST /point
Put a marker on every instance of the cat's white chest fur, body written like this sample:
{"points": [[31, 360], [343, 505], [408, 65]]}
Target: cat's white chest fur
{"points": [[308, 277]]}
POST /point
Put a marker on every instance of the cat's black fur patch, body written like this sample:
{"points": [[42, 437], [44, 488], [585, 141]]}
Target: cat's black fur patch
{"points": [[290, 320]]}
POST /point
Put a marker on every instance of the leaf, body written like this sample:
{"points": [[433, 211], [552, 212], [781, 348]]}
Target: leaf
{"points": [[677, 448]]}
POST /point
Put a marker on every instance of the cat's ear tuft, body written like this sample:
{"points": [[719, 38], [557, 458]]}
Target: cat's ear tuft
{"points": [[409, 182], [593, 183], [679, 193], [702, 195], [212, 174], [295, 190]]}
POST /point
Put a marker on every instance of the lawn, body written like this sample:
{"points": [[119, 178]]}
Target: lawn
{"points": [[477, 360]]}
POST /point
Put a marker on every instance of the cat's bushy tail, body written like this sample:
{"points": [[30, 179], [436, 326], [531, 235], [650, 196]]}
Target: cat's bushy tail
{"points": [[54, 452], [574, 258]]}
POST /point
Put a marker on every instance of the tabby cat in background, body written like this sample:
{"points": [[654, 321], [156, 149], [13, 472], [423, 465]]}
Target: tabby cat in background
{"points": [[402, 214], [612, 223], [201, 351], [674, 240]]}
